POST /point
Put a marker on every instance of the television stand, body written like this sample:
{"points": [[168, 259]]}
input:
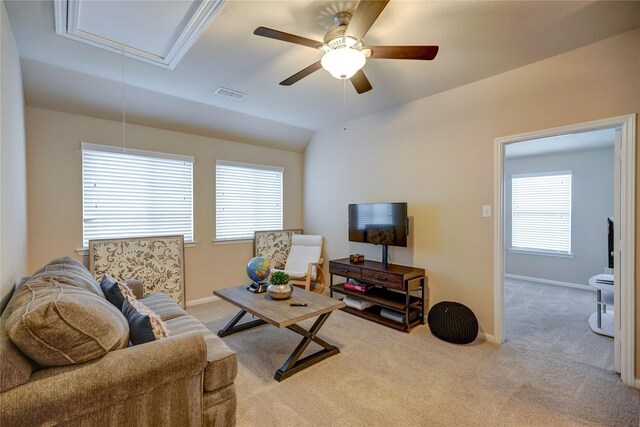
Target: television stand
{"points": [[392, 288]]}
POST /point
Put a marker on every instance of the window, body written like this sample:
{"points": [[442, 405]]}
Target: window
{"points": [[541, 212], [248, 199], [137, 193]]}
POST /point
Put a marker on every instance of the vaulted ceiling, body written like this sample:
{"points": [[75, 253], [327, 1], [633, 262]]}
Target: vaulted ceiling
{"points": [[477, 39]]}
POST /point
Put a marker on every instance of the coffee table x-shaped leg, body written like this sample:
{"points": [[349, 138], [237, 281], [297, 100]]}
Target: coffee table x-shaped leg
{"points": [[294, 363]]}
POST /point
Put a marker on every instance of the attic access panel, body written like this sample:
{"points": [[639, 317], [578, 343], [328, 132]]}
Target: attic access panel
{"points": [[159, 32]]}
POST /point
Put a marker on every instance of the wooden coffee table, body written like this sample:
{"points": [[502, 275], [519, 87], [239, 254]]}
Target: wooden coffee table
{"points": [[281, 314]]}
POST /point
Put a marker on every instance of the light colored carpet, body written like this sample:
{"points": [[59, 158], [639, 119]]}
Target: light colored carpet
{"points": [[554, 320], [383, 377]]}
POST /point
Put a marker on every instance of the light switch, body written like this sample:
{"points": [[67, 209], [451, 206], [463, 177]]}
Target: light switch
{"points": [[486, 211]]}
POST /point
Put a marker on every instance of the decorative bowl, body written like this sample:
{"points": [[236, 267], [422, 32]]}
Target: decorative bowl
{"points": [[280, 291]]}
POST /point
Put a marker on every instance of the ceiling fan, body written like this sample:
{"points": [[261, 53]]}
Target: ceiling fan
{"points": [[344, 50]]}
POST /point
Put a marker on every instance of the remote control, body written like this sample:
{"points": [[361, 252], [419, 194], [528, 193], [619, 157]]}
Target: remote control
{"points": [[298, 304]]}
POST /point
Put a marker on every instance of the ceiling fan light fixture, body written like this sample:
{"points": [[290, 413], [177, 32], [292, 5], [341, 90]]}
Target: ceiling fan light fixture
{"points": [[350, 41], [343, 62]]}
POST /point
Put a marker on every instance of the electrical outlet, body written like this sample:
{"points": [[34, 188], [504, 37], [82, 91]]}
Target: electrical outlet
{"points": [[486, 211]]}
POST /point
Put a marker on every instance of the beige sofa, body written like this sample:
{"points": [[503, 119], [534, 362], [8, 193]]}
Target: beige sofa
{"points": [[185, 379]]}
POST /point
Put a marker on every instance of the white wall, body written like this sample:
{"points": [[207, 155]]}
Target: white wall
{"points": [[55, 190], [13, 199], [437, 154], [591, 205]]}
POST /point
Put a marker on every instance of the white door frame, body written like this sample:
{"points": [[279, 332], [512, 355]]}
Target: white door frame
{"points": [[626, 224], [617, 255]]}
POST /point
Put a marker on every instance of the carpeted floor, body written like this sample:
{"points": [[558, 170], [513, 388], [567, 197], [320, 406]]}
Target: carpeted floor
{"points": [[384, 377], [554, 320]]}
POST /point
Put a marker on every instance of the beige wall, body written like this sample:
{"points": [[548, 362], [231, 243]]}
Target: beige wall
{"points": [[437, 154], [13, 197], [55, 190]]}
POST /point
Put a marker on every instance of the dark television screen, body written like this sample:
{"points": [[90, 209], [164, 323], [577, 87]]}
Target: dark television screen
{"points": [[378, 223]]}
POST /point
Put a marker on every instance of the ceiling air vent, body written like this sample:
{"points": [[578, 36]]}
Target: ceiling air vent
{"points": [[229, 93]]}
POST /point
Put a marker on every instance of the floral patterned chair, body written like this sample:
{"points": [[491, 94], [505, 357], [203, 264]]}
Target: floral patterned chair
{"points": [[157, 261], [274, 245]]}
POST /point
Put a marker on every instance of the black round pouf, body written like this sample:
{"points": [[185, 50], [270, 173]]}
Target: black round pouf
{"points": [[453, 322]]}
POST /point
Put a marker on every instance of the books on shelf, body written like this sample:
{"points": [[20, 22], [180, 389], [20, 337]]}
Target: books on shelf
{"points": [[354, 285]]}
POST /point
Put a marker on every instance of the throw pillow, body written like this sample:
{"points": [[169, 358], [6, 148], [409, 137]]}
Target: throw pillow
{"points": [[56, 324], [144, 324], [115, 291]]}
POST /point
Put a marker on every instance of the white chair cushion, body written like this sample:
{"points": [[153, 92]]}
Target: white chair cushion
{"points": [[293, 274], [305, 248], [306, 240]]}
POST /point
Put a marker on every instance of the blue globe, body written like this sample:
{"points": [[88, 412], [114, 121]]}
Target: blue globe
{"points": [[258, 269]]}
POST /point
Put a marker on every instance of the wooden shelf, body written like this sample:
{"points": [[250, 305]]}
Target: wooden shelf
{"points": [[373, 314], [381, 296]]}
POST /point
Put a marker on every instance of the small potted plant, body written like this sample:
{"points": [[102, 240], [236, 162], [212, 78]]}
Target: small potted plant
{"points": [[279, 286]]}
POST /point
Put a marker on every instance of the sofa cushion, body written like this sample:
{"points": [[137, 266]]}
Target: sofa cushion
{"points": [[144, 325], [163, 305], [55, 323], [68, 271], [222, 363], [115, 291], [15, 368]]}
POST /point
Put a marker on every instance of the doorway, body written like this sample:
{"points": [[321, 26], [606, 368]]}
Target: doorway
{"points": [[624, 241], [558, 199]]}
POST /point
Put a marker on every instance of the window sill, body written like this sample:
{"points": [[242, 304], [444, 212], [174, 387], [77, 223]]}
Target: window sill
{"points": [[540, 253], [85, 251], [231, 242]]}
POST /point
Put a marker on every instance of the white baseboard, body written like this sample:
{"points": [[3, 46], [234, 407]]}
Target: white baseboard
{"points": [[550, 282], [489, 338], [638, 383], [202, 301]]}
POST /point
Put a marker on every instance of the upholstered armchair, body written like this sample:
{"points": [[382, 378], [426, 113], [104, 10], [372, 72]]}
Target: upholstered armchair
{"points": [[304, 263]]}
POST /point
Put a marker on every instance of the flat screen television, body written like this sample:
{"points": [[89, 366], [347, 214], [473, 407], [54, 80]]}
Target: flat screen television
{"points": [[383, 224], [378, 223]]}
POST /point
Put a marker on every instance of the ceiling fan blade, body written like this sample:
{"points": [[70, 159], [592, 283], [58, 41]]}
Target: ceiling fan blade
{"points": [[363, 18], [404, 52], [301, 74], [286, 37], [361, 82]]}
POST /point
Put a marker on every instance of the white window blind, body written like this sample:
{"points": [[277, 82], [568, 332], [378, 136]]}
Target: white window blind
{"points": [[248, 199], [541, 212], [137, 193]]}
